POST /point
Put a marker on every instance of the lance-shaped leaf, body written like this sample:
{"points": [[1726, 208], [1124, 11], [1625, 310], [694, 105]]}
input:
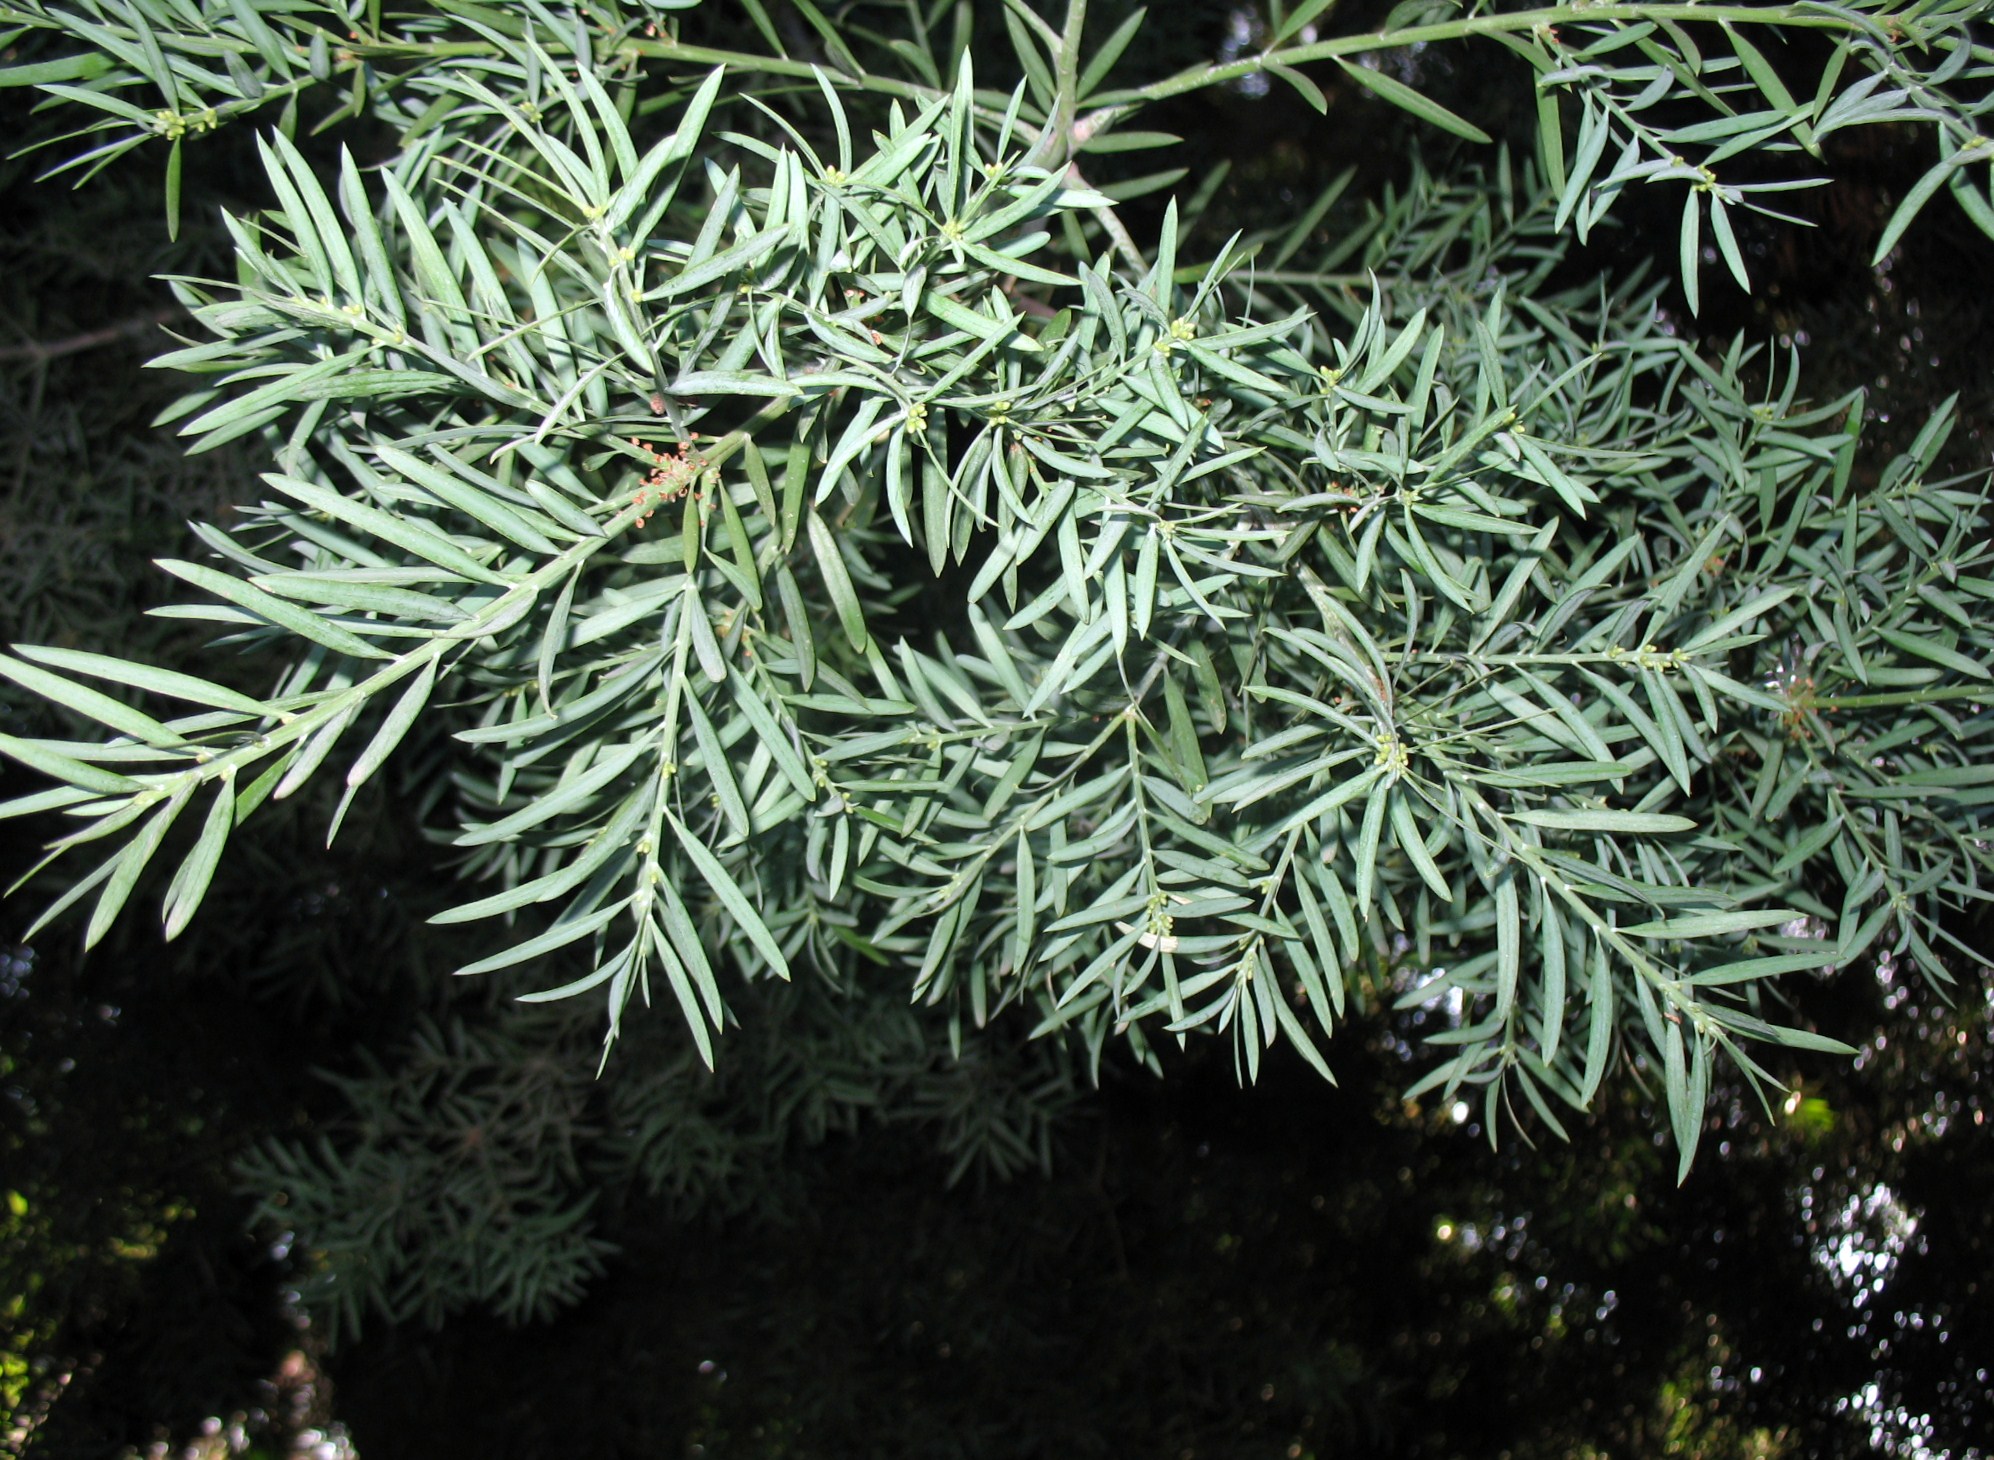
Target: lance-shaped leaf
{"points": [[274, 610], [732, 898], [559, 936], [1409, 100], [1602, 819], [90, 703], [131, 862], [197, 870], [168, 682]]}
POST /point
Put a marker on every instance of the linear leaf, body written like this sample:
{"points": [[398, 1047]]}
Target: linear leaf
{"points": [[397, 725], [168, 682], [66, 768], [1391, 89], [274, 610], [197, 870], [132, 862], [90, 703], [558, 936], [1603, 819], [837, 581], [731, 897], [1711, 925]]}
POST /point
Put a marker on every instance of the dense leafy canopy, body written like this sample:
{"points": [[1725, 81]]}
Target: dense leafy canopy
{"points": [[792, 510]]}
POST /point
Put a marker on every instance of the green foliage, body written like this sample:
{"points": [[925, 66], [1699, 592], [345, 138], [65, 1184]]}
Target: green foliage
{"points": [[468, 1140], [794, 524], [87, 487], [473, 1171]]}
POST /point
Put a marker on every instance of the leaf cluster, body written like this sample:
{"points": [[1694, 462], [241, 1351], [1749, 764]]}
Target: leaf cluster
{"points": [[796, 525]]}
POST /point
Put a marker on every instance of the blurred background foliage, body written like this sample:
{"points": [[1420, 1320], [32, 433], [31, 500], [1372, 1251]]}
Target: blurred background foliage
{"points": [[847, 1240]]}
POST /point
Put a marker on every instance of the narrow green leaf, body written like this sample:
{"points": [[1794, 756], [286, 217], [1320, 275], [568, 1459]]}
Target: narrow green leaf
{"points": [[680, 972], [571, 795], [309, 756], [1509, 945], [1691, 247], [377, 272], [1711, 925], [1914, 201], [1603, 819], [1551, 952], [1309, 92], [1933, 652], [749, 703], [90, 703], [1391, 89], [1675, 1080], [396, 726], [1368, 837], [65, 768], [1027, 899], [558, 936], [1806, 1039], [1727, 242], [406, 532], [1413, 844], [274, 610], [726, 791], [197, 870], [1756, 607], [639, 188], [837, 581], [731, 897], [1297, 1036], [1747, 970], [167, 682], [173, 192], [603, 846], [131, 863], [617, 966], [1599, 1036], [517, 524]]}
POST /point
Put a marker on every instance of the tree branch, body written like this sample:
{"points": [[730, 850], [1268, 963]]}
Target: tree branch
{"points": [[110, 334]]}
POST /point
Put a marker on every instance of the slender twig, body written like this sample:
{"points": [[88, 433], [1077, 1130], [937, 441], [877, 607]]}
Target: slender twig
{"points": [[110, 334], [1118, 232]]}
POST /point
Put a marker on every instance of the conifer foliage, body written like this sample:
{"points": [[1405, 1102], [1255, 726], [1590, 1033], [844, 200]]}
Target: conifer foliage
{"points": [[781, 519]]}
